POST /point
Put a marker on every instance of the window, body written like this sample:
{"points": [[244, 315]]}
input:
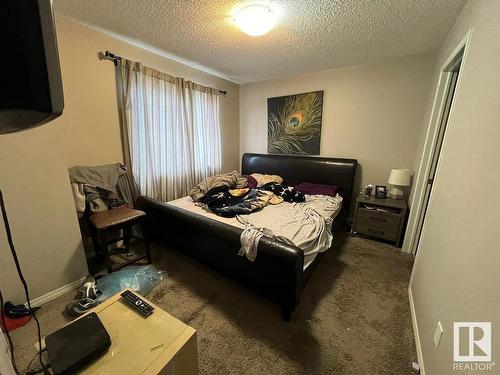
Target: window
{"points": [[172, 130]]}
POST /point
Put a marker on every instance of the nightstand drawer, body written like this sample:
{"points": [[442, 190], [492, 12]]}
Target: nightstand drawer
{"points": [[383, 218], [386, 232]]}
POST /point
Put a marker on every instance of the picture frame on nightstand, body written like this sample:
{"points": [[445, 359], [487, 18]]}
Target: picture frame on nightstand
{"points": [[381, 192]]}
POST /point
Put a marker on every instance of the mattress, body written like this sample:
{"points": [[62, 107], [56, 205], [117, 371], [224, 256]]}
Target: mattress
{"points": [[307, 225], [188, 204]]}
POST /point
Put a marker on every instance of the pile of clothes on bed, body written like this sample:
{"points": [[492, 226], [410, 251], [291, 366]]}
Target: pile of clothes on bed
{"points": [[230, 194], [304, 220]]}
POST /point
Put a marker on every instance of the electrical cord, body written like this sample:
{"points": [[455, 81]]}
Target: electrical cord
{"points": [[21, 277], [44, 370], [31, 361], [7, 334]]}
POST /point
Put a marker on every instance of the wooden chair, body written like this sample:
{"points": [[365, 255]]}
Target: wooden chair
{"points": [[105, 225]]}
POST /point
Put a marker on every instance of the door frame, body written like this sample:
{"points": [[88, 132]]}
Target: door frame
{"points": [[410, 243]]}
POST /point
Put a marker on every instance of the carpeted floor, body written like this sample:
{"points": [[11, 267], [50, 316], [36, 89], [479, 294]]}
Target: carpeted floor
{"points": [[353, 318]]}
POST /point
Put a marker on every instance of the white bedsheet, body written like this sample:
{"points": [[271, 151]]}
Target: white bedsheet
{"points": [[307, 225], [188, 204]]}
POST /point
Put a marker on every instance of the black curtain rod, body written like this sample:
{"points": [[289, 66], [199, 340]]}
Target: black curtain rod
{"points": [[115, 58]]}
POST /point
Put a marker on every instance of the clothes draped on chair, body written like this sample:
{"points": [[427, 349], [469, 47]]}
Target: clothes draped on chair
{"points": [[101, 187], [170, 130]]}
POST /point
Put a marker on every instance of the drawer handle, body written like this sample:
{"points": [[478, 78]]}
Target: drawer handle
{"points": [[374, 218], [375, 231]]}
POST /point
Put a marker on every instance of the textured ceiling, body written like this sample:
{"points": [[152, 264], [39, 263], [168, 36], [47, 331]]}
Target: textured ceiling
{"points": [[311, 35]]}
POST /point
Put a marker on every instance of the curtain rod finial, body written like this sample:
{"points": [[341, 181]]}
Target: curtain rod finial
{"points": [[110, 56]]}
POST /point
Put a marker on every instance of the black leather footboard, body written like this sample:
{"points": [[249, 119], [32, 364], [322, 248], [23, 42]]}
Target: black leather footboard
{"points": [[276, 272]]}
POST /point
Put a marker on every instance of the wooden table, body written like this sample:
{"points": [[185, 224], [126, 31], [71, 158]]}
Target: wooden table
{"points": [[159, 344]]}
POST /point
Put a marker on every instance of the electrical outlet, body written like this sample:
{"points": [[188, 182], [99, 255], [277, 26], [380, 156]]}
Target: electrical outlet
{"points": [[437, 334]]}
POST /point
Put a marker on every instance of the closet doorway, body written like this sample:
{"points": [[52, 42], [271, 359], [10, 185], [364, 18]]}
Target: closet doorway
{"points": [[442, 109]]}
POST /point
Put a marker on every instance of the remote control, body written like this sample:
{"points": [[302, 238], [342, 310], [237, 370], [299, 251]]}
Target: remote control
{"points": [[137, 304]]}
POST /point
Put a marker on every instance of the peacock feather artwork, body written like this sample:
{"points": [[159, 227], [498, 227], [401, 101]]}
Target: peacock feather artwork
{"points": [[294, 123]]}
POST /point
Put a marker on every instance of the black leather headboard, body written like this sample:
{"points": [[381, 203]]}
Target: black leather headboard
{"points": [[296, 169]]}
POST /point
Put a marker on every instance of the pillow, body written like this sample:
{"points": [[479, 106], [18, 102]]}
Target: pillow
{"points": [[251, 182], [263, 179], [317, 189]]}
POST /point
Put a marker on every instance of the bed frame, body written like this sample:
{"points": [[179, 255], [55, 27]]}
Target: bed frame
{"points": [[277, 271]]}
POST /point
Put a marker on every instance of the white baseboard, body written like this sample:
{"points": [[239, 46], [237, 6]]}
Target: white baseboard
{"points": [[420, 357], [56, 293]]}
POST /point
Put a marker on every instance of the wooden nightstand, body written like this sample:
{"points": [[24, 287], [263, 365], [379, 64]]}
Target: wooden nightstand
{"points": [[380, 218]]}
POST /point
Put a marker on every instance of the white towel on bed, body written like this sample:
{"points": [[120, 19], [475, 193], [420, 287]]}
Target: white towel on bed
{"points": [[250, 238]]}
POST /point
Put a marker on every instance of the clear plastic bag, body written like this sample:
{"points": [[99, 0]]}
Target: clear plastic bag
{"points": [[140, 279]]}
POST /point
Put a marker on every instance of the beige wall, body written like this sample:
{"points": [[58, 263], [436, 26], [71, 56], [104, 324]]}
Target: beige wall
{"points": [[371, 112], [34, 163], [90, 95], [457, 269]]}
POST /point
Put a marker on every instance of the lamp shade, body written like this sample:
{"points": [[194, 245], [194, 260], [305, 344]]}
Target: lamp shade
{"points": [[399, 177]]}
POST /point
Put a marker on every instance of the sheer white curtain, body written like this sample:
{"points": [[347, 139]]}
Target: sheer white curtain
{"points": [[171, 130]]}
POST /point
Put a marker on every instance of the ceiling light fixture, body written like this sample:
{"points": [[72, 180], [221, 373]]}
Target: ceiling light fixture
{"points": [[256, 19]]}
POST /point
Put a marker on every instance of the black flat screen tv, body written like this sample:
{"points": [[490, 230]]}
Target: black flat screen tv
{"points": [[30, 78]]}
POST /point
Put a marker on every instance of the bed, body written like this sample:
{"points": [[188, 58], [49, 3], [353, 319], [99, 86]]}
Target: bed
{"points": [[278, 271]]}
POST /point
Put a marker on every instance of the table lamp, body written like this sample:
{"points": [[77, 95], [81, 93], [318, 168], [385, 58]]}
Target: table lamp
{"points": [[398, 177]]}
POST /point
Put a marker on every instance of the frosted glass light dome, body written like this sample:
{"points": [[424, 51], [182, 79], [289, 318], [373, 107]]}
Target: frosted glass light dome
{"points": [[256, 19]]}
